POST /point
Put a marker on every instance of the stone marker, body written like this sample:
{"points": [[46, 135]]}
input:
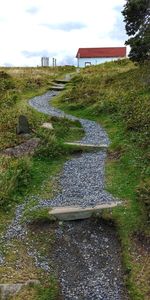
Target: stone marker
{"points": [[23, 125]]}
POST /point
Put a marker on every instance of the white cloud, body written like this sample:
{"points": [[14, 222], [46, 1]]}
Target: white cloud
{"points": [[32, 10], [65, 26], [68, 25]]}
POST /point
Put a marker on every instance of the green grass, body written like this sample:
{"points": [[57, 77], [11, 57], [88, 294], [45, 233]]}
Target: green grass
{"points": [[17, 85], [49, 291], [117, 96], [30, 177]]}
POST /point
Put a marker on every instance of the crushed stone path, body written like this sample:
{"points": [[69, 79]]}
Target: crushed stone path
{"points": [[94, 133], [82, 178], [87, 259]]}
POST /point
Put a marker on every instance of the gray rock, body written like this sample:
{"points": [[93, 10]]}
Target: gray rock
{"points": [[11, 289], [47, 125], [23, 125], [8, 290], [28, 147], [2, 260]]}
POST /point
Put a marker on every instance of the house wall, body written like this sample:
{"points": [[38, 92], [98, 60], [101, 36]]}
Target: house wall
{"points": [[81, 62]]}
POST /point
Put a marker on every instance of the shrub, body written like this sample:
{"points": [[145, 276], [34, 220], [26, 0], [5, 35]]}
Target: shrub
{"points": [[135, 109], [15, 175], [6, 81], [8, 100], [143, 195], [50, 147], [37, 215], [122, 62], [49, 291], [77, 79]]}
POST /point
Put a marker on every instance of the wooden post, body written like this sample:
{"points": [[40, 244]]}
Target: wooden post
{"points": [[78, 60]]}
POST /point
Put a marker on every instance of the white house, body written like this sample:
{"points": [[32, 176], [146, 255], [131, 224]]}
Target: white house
{"points": [[93, 56]]}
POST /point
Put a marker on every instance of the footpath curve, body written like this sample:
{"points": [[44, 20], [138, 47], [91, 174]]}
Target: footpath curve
{"points": [[86, 255], [82, 179]]}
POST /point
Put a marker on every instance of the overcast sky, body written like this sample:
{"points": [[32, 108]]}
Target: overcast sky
{"points": [[30, 29]]}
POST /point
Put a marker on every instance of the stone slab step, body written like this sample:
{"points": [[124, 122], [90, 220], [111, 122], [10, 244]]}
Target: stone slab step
{"points": [[57, 88], [86, 145], [70, 213], [62, 80]]}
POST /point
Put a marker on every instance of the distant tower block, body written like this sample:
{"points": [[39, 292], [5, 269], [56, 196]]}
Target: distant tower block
{"points": [[45, 61], [54, 62]]}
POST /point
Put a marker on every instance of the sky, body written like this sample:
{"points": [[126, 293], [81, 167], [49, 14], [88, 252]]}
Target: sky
{"points": [[30, 29]]}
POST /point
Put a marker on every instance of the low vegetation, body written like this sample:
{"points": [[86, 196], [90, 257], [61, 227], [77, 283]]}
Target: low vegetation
{"points": [[31, 176], [16, 87], [117, 95]]}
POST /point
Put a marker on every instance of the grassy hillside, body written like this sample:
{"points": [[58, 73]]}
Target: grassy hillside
{"points": [[30, 176], [117, 95], [17, 85]]}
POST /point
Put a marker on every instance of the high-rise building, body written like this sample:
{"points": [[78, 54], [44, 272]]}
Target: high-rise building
{"points": [[45, 61]]}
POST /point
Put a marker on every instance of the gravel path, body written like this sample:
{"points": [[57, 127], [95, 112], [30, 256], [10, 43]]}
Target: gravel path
{"points": [[87, 257], [82, 179], [82, 182], [94, 133]]}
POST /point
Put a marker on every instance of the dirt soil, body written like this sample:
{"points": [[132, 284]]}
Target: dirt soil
{"points": [[86, 257], [141, 259]]}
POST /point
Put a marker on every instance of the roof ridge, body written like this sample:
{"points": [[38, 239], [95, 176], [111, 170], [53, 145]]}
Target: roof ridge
{"points": [[101, 52]]}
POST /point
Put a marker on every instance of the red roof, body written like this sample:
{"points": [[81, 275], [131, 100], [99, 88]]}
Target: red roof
{"points": [[101, 52]]}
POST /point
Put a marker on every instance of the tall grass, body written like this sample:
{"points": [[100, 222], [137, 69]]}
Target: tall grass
{"points": [[15, 176], [117, 94], [121, 91], [17, 85]]}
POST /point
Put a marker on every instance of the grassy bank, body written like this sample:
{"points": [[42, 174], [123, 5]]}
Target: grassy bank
{"points": [[117, 96], [114, 94], [17, 85], [31, 176]]}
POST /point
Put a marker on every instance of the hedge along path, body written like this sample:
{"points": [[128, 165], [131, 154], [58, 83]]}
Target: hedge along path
{"points": [[82, 179]]}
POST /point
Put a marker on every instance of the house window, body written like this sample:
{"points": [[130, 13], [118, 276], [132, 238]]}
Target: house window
{"points": [[87, 63]]}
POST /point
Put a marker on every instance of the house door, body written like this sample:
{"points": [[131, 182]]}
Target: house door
{"points": [[87, 63]]}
